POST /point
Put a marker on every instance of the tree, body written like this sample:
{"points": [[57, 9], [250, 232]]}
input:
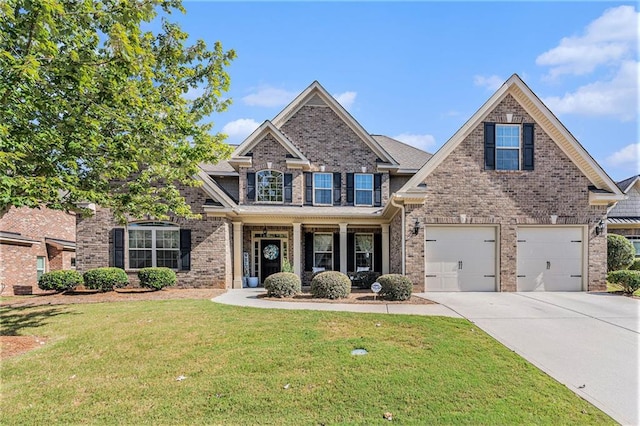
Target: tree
{"points": [[93, 107], [620, 252]]}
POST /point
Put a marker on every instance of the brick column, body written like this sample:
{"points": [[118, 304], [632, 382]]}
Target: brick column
{"points": [[297, 246], [237, 254], [343, 248], [385, 248]]}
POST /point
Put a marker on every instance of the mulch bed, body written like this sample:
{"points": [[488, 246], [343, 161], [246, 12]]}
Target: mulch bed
{"points": [[357, 296]]}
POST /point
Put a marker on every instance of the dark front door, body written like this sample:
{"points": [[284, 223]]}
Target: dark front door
{"points": [[269, 258]]}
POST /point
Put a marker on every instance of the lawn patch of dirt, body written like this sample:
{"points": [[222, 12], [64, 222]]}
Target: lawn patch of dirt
{"points": [[16, 345], [358, 296]]}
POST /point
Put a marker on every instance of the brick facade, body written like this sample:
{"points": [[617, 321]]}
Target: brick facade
{"points": [[18, 260]]}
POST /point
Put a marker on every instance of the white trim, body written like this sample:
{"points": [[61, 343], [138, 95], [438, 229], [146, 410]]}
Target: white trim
{"points": [[506, 148], [254, 138], [330, 189], [212, 189], [140, 226], [355, 190], [281, 189]]}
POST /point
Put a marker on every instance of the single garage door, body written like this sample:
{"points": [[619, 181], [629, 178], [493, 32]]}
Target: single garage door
{"points": [[550, 259], [460, 258]]}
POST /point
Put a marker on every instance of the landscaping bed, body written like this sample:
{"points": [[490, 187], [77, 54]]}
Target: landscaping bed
{"points": [[357, 296]]}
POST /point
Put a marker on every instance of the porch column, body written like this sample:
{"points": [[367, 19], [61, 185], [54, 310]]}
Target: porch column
{"points": [[237, 254], [343, 248], [385, 248], [297, 245]]}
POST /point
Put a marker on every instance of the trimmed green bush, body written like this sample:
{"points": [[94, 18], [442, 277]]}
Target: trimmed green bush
{"points": [[282, 284], [629, 280], [395, 287], [635, 266], [330, 285], [364, 279], [60, 280], [157, 278], [105, 279], [620, 252]]}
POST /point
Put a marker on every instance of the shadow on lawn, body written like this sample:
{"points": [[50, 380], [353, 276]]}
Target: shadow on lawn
{"points": [[15, 319]]}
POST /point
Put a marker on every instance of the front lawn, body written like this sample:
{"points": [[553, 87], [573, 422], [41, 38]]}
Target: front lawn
{"points": [[119, 363]]}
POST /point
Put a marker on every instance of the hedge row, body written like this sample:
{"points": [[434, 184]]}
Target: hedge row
{"points": [[105, 279]]}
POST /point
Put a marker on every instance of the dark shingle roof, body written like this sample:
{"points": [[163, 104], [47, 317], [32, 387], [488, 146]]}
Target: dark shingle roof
{"points": [[624, 185], [407, 156]]}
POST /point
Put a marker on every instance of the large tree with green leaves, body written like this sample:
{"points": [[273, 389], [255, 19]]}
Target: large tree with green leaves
{"points": [[94, 107]]}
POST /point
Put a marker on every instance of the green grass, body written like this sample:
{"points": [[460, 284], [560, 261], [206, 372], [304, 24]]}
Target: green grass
{"points": [[117, 363]]}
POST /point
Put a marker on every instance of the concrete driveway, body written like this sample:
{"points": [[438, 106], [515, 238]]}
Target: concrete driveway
{"points": [[587, 341]]}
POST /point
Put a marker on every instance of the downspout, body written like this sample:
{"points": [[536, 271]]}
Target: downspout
{"points": [[404, 231]]}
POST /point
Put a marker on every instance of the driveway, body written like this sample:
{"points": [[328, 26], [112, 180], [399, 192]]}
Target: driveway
{"points": [[587, 341]]}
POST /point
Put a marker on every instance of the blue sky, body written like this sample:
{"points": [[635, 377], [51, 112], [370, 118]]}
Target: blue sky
{"points": [[417, 71]]}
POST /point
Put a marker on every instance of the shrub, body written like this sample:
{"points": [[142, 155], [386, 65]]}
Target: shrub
{"points": [[60, 280], [364, 279], [635, 266], [282, 284], [105, 279], [629, 280], [620, 252], [395, 287], [157, 278], [330, 285], [286, 266]]}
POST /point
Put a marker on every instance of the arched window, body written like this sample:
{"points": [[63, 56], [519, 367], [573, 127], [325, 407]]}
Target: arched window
{"points": [[269, 186], [153, 244]]}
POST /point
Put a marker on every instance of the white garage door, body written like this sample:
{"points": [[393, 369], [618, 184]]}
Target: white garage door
{"points": [[460, 258], [550, 259]]}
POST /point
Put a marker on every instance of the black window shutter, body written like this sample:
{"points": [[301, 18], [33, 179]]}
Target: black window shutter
{"points": [[377, 252], [251, 186], [337, 188], [350, 189], [489, 146], [527, 155], [118, 247], [288, 187], [308, 188], [351, 252], [336, 251], [377, 189], [308, 251], [185, 249]]}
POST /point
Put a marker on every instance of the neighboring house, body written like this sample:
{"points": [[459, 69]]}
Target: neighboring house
{"points": [[32, 242], [624, 218], [511, 202]]}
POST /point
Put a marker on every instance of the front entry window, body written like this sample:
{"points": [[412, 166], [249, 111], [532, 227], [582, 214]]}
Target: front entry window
{"points": [[364, 252], [153, 244], [323, 251]]}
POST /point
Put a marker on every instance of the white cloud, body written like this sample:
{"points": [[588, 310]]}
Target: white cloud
{"points": [[268, 96], [346, 99], [627, 156], [493, 82], [610, 39], [423, 142], [240, 129], [617, 97]]}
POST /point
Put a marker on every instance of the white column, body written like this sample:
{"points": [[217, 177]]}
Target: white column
{"points": [[237, 254], [343, 248], [385, 248], [297, 246]]}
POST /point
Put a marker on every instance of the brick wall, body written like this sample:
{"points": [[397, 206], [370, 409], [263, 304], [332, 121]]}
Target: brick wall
{"points": [[460, 185]]}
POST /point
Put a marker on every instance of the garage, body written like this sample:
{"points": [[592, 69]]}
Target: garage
{"points": [[550, 258], [460, 258]]}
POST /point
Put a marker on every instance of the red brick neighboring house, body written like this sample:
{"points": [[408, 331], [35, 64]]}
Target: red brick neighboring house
{"points": [[32, 242]]}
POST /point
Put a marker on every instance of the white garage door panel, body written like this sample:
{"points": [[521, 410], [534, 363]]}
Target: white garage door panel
{"points": [[460, 258], [550, 259]]}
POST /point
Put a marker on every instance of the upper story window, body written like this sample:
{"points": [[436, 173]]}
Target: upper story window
{"points": [[363, 189], [269, 185], [507, 147], [154, 244], [323, 188]]}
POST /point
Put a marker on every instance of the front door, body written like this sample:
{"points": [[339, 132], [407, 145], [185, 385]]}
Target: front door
{"points": [[269, 258]]}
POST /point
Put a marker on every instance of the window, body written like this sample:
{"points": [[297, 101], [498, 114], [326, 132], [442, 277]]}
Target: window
{"points": [[323, 251], [507, 147], [364, 251], [270, 186], [40, 265], [322, 188], [364, 189], [636, 243], [154, 244], [73, 262]]}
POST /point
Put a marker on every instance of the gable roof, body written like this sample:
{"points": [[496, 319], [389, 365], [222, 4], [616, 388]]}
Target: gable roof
{"points": [[314, 91], [627, 184], [408, 157], [549, 123]]}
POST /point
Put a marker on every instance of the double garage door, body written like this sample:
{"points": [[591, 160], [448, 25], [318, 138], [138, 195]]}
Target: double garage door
{"points": [[464, 258]]}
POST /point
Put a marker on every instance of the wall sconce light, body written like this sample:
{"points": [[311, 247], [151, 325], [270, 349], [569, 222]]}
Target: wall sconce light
{"points": [[463, 218], [269, 165], [322, 168], [265, 232], [600, 227], [509, 118], [364, 169], [554, 219], [416, 227]]}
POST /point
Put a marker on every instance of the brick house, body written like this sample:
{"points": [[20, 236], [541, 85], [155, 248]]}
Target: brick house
{"points": [[312, 188], [624, 218], [32, 242]]}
